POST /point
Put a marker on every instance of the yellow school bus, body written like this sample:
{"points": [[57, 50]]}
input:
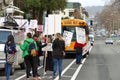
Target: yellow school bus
{"points": [[70, 25]]}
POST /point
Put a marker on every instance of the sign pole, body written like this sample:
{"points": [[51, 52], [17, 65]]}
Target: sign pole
{"points": [[45, 55]]}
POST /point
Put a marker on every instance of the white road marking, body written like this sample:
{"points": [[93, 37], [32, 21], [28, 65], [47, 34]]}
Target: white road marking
{"points": [[73, 68], [74, 76], [66, 69], [78, 70], [67, 76], [25, 74]]}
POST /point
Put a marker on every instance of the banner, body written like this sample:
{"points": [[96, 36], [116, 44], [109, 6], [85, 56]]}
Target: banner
{"points": [[67, 36], [80, 35]]}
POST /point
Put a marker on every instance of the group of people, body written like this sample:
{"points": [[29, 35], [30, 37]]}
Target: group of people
{"points": [[32, 62], [53, 60]]}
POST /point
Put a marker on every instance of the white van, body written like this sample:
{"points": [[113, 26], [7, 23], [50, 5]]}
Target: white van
{"points": [[19, 62]]}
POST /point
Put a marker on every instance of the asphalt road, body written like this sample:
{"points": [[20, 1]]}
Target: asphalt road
{"points": [[102, 64]]}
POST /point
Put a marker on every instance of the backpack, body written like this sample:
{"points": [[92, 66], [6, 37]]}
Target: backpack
{"points": [[32, 49]]}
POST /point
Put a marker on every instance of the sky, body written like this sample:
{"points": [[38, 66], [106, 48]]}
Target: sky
{"points": [[89, 2]]}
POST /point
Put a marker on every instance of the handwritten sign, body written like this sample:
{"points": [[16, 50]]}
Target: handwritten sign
{"points": [[80, 35], [48, 47], [67, 35]]}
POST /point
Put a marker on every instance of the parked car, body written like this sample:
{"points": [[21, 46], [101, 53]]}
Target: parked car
{"points": [[109, 41]]}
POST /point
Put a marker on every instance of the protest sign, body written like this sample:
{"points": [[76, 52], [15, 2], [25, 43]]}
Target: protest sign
{"points": [[67, 35], [48, 47], [80, 35], [40, 28], [52, 24], [19, 36]]}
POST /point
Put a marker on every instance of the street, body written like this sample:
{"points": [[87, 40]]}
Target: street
{"points": [[101, 64]]}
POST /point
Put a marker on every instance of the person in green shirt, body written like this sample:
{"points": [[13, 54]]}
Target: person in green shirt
{"points": [[29, 60]]}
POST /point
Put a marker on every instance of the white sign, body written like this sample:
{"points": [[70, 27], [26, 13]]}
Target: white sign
{"points": [[46, 26], [48, 47], [22, 22], [1, 21], [33, 24], [53, 24], [19, 36], [80, 35], [67, 37]]}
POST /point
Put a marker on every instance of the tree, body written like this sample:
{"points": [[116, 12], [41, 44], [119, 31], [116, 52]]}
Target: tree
{"points": [[109, 17], [53, 5], [37, 7]]}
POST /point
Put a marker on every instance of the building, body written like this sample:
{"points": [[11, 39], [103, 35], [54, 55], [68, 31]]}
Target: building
{"points": [[4, 3], [74, 10], [69, 10]]}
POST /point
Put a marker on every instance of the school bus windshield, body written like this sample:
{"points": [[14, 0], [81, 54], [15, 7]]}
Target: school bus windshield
{"points": [[70, 29]]}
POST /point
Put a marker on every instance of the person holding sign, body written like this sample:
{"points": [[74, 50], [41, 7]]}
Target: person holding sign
{"points": [[58, 48], [49, 58], [79, 51]]}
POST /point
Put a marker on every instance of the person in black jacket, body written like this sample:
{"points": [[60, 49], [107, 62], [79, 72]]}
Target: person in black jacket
{"points": [[40, 46], [58, 48]]}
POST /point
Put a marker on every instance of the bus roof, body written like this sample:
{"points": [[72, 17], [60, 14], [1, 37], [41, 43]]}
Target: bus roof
{"points": [[73, 22]]}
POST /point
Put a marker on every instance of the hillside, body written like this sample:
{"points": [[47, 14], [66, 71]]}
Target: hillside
{"points": [[92, 10]]}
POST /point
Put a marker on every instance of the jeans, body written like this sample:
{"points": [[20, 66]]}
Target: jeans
{"points": [[78, 58], [8, 68], [57, 63]]}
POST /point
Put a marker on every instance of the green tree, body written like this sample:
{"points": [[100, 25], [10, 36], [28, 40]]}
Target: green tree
{"points": [[37, 7], [32, 6]]}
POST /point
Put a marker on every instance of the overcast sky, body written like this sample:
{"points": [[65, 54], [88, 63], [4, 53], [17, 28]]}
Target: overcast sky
{"points": [[89, 2]]}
